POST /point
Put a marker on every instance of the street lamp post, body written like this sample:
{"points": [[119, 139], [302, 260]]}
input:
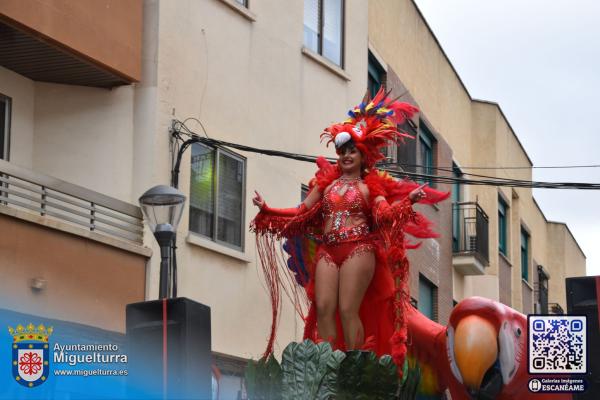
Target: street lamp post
{"points": [[185, 355], [162, 206]]}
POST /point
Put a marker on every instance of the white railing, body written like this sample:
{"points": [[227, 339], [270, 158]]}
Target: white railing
{"points": [[50, 197]]}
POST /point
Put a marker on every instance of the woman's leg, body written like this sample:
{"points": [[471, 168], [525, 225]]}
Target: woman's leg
{"points": [[326, 298], [355, 276]]}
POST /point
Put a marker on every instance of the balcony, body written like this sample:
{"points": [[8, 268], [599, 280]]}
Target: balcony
{"points": [[86, 43], [71, 206], [469, 238], [68, 252]]}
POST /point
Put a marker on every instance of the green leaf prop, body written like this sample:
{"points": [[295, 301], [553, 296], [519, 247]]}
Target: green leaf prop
{"points": [[310, 371], [263, 379], [364, 376]]}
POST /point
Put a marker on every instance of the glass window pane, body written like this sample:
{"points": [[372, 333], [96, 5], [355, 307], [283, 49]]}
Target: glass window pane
{"points": [[524, 254], [376, 75], [311, 24], [456, 198], [202, 190], [332, 30], [231, 189], [502, 228], [425, 304], [230, 387], [426, 156]]}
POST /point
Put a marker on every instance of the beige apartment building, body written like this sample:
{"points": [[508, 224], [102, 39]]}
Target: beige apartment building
{"points": [[523, 258], [88, 93], [89, 90]]}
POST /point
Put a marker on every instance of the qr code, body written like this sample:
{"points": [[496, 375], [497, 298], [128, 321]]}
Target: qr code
{"points": [[557, 344]]}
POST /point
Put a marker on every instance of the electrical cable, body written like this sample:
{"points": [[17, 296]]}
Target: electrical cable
{"points": [[179, 130]]}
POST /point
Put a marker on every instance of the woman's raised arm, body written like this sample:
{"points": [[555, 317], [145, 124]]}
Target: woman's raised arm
{"points": [[312, 198]]}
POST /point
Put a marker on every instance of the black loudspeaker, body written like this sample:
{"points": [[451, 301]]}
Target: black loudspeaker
{"points": [[188, 349], [582, 299]]}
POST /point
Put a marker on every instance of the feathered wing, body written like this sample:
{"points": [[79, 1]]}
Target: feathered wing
{"points": [[427, 349], [395, 190], [301, 250], [394, 219]]}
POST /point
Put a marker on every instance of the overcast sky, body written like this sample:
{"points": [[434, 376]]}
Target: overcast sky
{"points": [[540, 60]]}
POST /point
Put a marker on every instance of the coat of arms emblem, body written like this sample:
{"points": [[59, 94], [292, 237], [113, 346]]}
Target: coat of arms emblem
{"points": [[30, 354]]}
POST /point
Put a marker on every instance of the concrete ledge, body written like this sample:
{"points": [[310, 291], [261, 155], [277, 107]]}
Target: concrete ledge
{"points": [[468, 265], [249, 15], [75, 230], [505, 258], [198, 240], [319, 59]]}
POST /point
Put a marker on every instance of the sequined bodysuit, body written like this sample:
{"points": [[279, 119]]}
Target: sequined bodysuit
{"points": [[346, 214]]}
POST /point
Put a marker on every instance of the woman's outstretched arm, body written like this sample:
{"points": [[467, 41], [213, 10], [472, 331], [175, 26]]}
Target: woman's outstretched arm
{"points": [[313, 197]]}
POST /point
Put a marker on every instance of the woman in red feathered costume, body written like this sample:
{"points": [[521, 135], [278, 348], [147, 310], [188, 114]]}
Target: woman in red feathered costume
{"points": [[357, 285]]}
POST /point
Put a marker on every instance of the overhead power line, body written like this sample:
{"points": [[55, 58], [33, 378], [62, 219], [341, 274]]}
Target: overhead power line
{"points": [[523, 167], [180, 130]]}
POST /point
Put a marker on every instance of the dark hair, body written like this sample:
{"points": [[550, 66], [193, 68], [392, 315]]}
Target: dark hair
{"points": [[349, 144]]}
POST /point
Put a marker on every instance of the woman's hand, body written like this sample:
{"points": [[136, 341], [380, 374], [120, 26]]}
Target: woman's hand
{"points": [[418, 194], [258, 200]]}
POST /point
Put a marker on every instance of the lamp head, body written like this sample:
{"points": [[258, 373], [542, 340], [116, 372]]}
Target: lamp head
{"points": [[162, 207]]}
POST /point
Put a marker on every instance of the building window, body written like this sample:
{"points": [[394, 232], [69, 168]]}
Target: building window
{"points": [[375, 80], [376, 75], [426, 147], [456, 198], [5, 104], [427, 298], [231, 384], [324, 28], [502, 226], [242, 2], [414, 302], [407, 151], [217, 190], [524, 254]]}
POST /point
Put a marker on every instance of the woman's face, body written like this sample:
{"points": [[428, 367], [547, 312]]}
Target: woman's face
{"points": [[349, 158]]}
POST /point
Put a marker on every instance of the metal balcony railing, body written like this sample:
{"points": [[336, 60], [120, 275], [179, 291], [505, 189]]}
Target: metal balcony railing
{"points": [[23, 189], [470, 231]]}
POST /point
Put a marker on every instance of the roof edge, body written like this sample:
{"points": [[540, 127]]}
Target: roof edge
{"points": [[570, 233], [441, 48], [493, 103]]}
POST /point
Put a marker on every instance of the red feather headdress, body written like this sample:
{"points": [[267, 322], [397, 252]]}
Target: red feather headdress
{"points": [[372, 124]]}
